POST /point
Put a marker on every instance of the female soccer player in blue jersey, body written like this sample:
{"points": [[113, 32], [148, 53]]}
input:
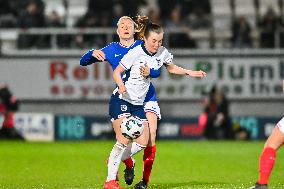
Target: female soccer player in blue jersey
{"points": [[113, 54]]}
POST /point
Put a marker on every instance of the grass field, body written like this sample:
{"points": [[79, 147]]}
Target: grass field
{"points": [[179, 165]]}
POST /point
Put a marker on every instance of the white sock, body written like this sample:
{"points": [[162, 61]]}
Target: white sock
{"points": [[114, 160], [132, 149]]}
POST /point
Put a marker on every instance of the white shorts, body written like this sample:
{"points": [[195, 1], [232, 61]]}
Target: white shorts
{"points": [[280, 125], [153, 106]]}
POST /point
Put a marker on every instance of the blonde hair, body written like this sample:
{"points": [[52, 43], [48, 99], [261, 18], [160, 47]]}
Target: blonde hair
{"points": [[124, 18]]}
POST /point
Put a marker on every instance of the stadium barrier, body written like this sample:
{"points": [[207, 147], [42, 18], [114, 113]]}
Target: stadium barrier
{"points": [[50, 127]]}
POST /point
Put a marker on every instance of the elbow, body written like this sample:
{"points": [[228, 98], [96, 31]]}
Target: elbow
{"points": [[114, 73], [87, 59], [171, 71], [82, 62]]}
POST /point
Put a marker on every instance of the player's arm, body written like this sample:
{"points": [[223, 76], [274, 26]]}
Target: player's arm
{"points": [[146, 71], [88, 58], [125, 64], [174, 69], [95, 55], [118, 80]]}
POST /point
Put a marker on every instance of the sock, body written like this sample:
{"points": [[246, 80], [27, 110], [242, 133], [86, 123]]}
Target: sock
{"points": [[130, 151], [126, 158], [266, 163], [148, 158], [114, 160], [129, 163]]}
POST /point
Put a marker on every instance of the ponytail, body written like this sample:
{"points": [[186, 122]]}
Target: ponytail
{"points": [[141, 23]]}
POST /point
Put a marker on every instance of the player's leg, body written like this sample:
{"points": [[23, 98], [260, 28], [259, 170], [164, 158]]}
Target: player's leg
{"points": [[139, 144], [131, 150], [114, 159], [268, 155], [127, 159], [152, 110], [129, 162]]}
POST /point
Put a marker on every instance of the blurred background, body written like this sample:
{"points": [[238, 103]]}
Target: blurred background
{"points": [[239, 43]]}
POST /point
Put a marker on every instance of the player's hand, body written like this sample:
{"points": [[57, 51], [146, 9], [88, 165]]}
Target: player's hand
{"points": [[98, 54], [200, 73], [144, 70], [122, 89]]}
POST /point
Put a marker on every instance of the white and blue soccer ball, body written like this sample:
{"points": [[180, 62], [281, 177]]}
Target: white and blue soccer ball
{"points": [[131, 127]]}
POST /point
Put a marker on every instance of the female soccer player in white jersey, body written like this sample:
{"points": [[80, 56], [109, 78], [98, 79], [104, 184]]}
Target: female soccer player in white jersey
{"points": [[110, 53], [268, 155], [134, 85]]}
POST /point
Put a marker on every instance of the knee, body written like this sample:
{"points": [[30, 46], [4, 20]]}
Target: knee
{"points": [[143, 143], [121, 139]]}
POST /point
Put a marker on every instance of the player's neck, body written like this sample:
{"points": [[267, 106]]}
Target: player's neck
{"points": [[147, 50], [127, 42]]}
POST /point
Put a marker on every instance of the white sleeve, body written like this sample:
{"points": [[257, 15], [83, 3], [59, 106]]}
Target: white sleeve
{"points": [[127, 61], [281, 122], [168, 58]]}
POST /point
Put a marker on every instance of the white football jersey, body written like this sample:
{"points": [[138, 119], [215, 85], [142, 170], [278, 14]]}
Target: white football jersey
{"points": [[137, 85], [280, 124]]}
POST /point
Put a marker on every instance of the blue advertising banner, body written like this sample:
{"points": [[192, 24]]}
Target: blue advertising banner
{"points": [[77, 127], [258, 127]]}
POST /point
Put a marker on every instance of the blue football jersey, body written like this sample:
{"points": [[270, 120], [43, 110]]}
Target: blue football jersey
{"points": [[113, 53]]}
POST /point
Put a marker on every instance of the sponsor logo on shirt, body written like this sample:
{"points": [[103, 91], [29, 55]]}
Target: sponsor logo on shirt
{"points": [[123, 108]]}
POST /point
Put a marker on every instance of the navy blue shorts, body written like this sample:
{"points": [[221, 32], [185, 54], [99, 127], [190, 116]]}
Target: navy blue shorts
{"points": [[120, 108]]}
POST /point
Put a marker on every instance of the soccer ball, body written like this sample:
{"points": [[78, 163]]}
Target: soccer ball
{"points": [[131, 127]]}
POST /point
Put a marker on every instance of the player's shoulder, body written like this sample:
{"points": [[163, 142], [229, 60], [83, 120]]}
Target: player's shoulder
{"points": [[136, 49], [164, 55], [113, 44], [135, 44], [132, 53], [138, 42], [162, 51]]}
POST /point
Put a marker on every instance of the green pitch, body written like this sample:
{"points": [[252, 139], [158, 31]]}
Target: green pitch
{"points": [[178, 165]]}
